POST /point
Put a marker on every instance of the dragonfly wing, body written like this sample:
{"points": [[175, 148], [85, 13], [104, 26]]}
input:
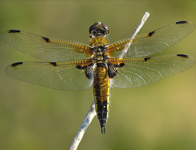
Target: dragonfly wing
{"points": [[152, 42], [77, 75], [45, 48], [136, 72]]}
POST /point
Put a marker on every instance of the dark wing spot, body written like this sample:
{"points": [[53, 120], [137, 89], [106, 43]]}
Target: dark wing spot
{"points": [[181, 22], [16, 64], [146, 58], [151, 33], [14, 31], [46, 39], [121, 65], [182, 55], [53, 63], [78, 67]]}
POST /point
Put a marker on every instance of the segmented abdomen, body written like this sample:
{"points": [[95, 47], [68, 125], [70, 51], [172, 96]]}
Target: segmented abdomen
{"points": [[101, 95]]}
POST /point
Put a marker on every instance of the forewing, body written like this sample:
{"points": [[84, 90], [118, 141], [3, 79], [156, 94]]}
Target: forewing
{"points": [[45, 48], [136, 72], [152, 42], [77, 75]]}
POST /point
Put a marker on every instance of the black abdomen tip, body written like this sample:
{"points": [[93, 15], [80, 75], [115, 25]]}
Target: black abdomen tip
{"points": [[103, 130]]}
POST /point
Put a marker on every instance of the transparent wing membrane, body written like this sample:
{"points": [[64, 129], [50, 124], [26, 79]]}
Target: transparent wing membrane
{"points": [[153, 42], [57, 75], [138, 72], [69, 69], [45, 48]]}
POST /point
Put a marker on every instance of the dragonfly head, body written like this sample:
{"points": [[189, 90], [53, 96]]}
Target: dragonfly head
{"points": [[98, 29]]}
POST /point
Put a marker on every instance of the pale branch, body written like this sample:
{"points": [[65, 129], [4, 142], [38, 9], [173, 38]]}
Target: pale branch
{"points": [[92, 112], [140, 25], [86, 122]]}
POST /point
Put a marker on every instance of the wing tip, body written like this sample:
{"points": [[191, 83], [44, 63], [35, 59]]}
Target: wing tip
{"points": [[13, 31], [182, 22], [183, 55], [16, 64], [186, 22], [4, 34]]}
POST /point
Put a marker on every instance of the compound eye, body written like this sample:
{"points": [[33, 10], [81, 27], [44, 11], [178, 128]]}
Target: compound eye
{"points": [[93, 27], [94, 32], [105, 27], [98, 29], [103, 31]]}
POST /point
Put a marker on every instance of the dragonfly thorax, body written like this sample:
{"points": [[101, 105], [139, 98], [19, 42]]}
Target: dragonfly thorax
{"points": [[99, 49], [100, 55]]}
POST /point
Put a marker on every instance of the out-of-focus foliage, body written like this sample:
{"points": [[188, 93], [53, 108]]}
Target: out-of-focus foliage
{"points": [[159, 116]]}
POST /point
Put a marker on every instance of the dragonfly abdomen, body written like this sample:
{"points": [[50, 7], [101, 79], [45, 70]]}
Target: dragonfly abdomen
{"points": [[101, 90]]}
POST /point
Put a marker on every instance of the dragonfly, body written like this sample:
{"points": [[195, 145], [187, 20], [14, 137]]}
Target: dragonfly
{"points": [[69, 65]]}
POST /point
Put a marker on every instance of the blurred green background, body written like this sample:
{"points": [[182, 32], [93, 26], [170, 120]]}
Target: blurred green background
{"points": [[160, 116]]}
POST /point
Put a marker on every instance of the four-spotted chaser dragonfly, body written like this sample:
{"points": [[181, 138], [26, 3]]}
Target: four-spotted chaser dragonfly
{"points": [[72, 65]]}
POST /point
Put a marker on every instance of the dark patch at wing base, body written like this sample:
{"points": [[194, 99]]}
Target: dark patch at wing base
{"points": [[16, 64], [14, 31], [88, 70], [112, 69], [181, 22], [182, 55]]}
